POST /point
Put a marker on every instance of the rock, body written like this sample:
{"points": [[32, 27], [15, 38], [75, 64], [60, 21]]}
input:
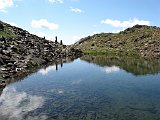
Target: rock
{"points": [[3, 69], [19, 69], [1, 26], [6, 76], [1, 61], [2, 83], [2, 40]]}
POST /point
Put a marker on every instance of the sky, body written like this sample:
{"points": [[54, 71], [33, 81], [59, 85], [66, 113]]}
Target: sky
{"points": [[71, 20]]}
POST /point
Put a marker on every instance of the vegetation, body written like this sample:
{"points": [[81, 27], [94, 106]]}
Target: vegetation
{"points": [[7, 33], [139, 40], [112, 53]]}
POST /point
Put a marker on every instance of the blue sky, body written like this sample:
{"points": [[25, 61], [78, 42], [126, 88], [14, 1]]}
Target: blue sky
{"points": [[71, 20]]}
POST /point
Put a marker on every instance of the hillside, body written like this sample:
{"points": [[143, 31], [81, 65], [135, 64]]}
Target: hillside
{"points": [[139, 40], [20, 50]]}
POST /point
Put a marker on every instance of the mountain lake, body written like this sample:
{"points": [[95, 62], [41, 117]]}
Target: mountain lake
{"points": [[88, 88]]}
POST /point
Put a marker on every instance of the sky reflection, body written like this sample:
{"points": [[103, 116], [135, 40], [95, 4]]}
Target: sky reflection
{"points": [[14, 104], [47, 70], [111, 69]]}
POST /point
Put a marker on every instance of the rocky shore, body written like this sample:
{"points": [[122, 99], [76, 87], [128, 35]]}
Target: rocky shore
{"points": [[21, 51]]}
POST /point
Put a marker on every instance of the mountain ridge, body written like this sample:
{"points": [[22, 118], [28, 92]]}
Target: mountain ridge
{"points": [[139, 40]]}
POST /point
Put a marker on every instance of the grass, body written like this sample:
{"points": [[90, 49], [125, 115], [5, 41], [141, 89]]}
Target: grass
{"points": [[6, 33], [112, 53], [132, 42]]}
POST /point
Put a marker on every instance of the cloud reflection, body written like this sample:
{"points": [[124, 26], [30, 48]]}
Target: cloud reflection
{"points": [[14, 105], [48, 69], [76, 82], [111, 69]]}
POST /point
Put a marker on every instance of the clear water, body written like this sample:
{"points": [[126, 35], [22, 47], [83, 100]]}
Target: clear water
{"points": [[86, 89]]}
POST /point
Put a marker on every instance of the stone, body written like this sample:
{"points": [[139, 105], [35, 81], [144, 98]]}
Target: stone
{"points": [[1, 61], [2, 83], [6, 76], [1, 26], [3, 69]]}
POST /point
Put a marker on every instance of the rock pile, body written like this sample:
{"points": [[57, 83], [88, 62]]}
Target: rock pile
{"points": [[26, 50]]}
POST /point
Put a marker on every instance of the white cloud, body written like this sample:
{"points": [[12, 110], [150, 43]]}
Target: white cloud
{"points": [[125, 24], [76, 10], [5, 4], [112, 69], [56, 1], [43, 23], [15, 104]]}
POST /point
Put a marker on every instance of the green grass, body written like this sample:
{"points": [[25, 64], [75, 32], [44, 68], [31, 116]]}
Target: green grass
{"points": [[112, 53], [6, 33], [131, 42]]}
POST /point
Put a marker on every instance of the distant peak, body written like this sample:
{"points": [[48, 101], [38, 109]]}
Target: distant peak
{"points": [[136, 27]]}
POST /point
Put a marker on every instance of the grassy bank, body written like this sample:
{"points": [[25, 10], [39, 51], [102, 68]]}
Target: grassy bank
{"points": [[112, 53]]}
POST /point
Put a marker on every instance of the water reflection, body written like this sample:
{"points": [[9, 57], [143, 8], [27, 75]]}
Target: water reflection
{"points": [[20, 75], [86, 91], [111, 69], [45, 71], [76, 82], [14, 105], [136, 66]]}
